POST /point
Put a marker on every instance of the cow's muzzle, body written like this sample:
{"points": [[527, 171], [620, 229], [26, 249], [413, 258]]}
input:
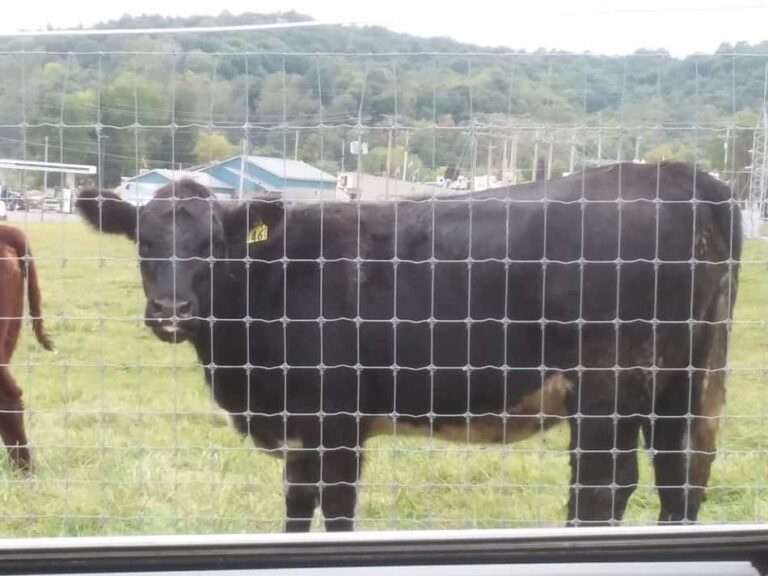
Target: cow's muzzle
{"points": [[171, 321]]}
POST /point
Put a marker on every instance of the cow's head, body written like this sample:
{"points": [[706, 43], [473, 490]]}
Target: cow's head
{"points": [[181, 233]]}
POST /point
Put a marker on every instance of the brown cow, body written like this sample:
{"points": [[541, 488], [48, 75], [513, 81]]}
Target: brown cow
{"points": [[13, 268]]}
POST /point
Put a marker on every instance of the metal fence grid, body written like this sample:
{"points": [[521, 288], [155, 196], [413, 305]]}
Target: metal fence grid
{"points": [[125, 435]]}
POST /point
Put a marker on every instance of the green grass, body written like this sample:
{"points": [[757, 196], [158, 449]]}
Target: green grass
{"points": [[127, 441]]}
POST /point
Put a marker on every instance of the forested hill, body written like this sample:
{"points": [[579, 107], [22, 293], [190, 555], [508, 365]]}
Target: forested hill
{"points": [[128, 102]]}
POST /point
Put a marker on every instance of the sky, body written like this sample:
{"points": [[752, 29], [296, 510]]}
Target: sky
{"points": [[600, 26]]}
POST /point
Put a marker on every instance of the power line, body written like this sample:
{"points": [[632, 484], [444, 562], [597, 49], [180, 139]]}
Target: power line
{"points": [[181, 30], [83, 151]]}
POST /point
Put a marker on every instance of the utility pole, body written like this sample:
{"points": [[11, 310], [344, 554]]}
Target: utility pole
{"points": [[405, 155], [296, 147], [490, 158], [513, 158], [572, 160], [505, 162], [599, 146], [240, 191], [599, 138], [45, 181], [45, 174], [474, 161], [358, 183], [389, 163], [550, 155]]}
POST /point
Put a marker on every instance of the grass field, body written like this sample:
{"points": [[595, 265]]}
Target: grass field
{"points": [[127, 441]]}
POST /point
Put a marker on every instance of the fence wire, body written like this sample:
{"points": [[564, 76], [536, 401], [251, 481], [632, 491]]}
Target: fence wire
{"points": [[126, 436]]}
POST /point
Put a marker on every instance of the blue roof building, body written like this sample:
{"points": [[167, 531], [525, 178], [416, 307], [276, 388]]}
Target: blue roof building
{"points": [[265, 176], [140, 189]]}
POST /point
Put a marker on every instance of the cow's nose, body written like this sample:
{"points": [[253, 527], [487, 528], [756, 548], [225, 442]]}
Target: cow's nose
{"points": [[183, 308], [163, 308]]}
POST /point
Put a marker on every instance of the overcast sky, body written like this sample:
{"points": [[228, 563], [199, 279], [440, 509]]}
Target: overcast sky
{"points": [[603, 26]]}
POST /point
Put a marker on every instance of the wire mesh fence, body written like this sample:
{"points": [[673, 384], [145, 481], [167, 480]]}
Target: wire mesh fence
{"points": [[419, 277]]}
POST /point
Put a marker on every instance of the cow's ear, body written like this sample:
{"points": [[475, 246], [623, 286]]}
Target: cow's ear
{"points": [[256, 221], [107, 212]]}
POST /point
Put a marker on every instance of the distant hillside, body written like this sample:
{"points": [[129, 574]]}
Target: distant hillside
{"points": [[267, 87]]}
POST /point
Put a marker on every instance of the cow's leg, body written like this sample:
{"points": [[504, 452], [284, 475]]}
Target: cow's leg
{"points": [[703, 438], [302, 478], [12, 422], [666, 439], [683, 441], [338, 496], [683, 437], [603, 455], [708, 404]]}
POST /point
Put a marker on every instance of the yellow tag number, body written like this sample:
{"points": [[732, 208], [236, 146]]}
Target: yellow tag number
{"points": [[258, 233]]}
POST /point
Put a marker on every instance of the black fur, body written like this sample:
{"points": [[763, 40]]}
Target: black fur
{"points": [[450, 315]]}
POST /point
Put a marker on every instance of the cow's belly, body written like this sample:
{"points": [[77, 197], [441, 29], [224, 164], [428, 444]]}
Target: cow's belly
{"points": [[537, 411]]}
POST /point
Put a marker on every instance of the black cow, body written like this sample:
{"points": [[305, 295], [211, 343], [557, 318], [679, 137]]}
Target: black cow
{"points": [[602, 300]]}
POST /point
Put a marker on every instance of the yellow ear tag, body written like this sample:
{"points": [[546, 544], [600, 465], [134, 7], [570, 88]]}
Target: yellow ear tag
{"points": [[258, 233]]}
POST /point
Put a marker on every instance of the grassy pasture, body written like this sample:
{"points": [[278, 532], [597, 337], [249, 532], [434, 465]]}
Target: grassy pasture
{"points": [[127, 441]]}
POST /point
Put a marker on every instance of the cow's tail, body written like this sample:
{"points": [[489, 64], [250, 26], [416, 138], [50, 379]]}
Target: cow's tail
{"points": [[716, 198], [713, 333], [724, 257], [35, 307], [726, 213], [18, 242]]}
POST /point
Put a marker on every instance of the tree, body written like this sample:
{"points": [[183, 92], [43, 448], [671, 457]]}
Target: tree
{"points": [[211, 146], [746, 121], [286, 97], [375, 162], [143, 101], [674, 152]]}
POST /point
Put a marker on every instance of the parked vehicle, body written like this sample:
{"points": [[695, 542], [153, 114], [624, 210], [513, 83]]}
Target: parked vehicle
{"points": [[17, 201], [60, 200], [14, 200]]}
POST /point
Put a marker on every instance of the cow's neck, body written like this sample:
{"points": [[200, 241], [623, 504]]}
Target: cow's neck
{"points": [[229, 307]]}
